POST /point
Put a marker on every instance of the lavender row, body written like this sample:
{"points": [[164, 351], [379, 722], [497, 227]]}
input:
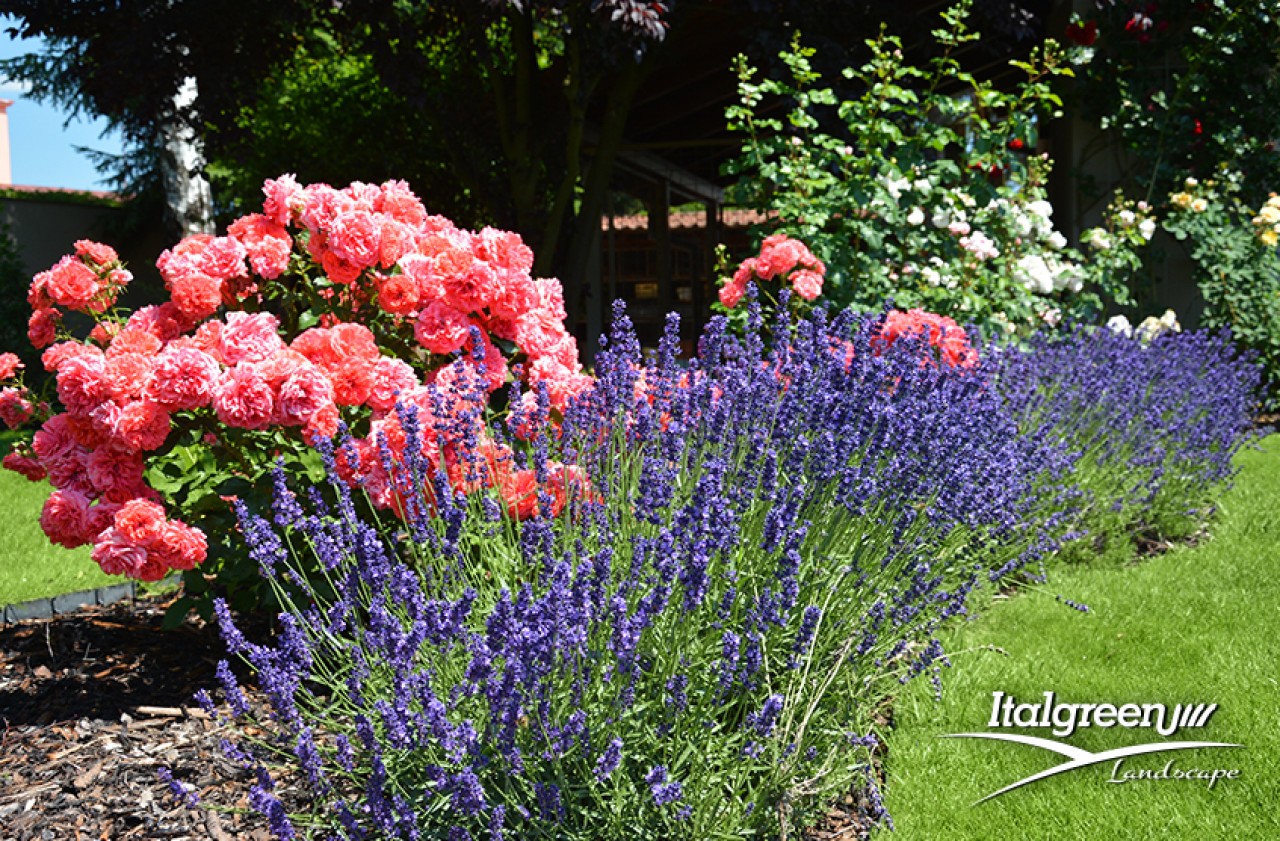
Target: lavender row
{"points": [[1137, 433], [692, 637]]}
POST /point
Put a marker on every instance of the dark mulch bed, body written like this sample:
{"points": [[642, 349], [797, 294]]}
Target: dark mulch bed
{"points": [[93, 703]]}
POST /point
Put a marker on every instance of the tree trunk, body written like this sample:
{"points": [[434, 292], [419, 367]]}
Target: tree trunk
{"points": [[595, 189], [187, 195]]}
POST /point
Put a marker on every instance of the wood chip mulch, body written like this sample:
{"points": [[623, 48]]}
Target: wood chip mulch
{"points": [[93, 703]]}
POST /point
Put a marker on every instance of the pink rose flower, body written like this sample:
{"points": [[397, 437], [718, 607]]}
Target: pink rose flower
{"points": [[266, 243], [356, 237], [398, 201], [143, 425], [126, 375], [72, 284], [63, 518], [15, 408], [10, 364], [117, 555], [390, 376], [285, 199], [441, 328], [82, 382], [140, 521], [103, 255], [807, 283], [504, 250], [42, 327], [24, 466], [243, 398], [305, 392], [180, 546], [183, 378], [397, 294], [250, 337], [352, 381], [166, 322], [731, 293], [132, 340], [113, 467]]}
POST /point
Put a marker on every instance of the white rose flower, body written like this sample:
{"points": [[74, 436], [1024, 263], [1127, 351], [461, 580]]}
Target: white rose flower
{"points": [[1034, 274], [1083, 55], [1170, 321], [1147, 227], [1066, 275], [1126, 217], [940, 219], [1150, 328], [896, 186], [1120, 324], [1040, 207], [922, 185], [1052, 317], [1056, 241], [915, 217], [980, 245], [1097, 238]]}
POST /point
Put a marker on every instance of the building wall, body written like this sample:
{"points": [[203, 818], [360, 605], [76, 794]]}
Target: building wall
{"points": [[45, 225]]}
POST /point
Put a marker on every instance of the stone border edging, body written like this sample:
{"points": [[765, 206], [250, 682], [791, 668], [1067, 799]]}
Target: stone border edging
{"points": [[51, 606]]}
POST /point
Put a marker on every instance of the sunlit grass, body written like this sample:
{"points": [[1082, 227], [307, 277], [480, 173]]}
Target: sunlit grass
{"points": [[1198, 624]]}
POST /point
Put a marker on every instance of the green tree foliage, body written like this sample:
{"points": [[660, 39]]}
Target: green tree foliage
{"points": [[497, 96], [1186, 87], [127, 60]]}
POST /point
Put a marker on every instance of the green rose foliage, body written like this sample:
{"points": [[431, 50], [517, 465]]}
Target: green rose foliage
{"points": [[1183, 87], [925, 188], [1233, 247]]}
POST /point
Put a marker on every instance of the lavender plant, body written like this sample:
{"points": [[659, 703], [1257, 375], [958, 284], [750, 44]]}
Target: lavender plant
{"points": [[694, 647]]}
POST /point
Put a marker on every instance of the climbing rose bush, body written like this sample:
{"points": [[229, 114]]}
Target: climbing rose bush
{"points": [[315, 315]]}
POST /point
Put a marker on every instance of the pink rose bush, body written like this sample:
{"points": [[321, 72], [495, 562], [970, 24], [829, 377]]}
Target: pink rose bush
{"points": [[788, 261], [943, 334], [326, 309]]}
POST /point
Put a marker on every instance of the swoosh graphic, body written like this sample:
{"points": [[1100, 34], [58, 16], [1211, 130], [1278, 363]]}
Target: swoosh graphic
{"points": [[1078, 758]]}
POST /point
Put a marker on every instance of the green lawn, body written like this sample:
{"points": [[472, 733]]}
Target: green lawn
{"points": [[1198, 624], [31, 566]]}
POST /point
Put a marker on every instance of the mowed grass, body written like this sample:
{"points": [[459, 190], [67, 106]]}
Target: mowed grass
{"points": [[30, 566], [1199, 624]]}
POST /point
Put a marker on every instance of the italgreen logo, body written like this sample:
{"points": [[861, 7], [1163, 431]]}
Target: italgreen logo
{"points": [[1064, 719]]}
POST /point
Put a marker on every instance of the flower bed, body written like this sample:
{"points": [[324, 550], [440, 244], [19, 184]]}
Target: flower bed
{"points": [[663, 601]]}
